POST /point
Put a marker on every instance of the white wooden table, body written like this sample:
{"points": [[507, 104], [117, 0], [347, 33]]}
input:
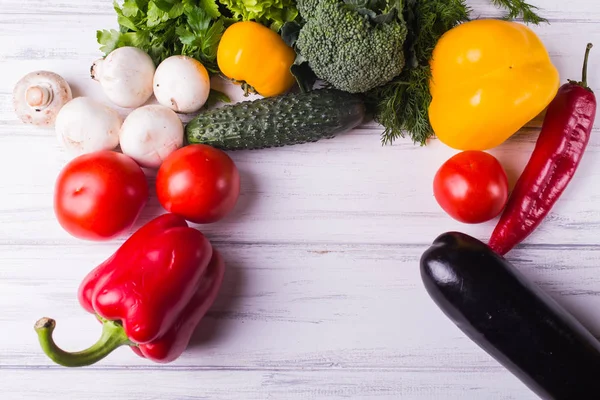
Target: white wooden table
{"points": [[322, 297]]}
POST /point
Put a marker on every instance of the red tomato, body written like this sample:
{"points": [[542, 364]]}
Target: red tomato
{"points": [[199, 183], [471, 187], [99, 195]]}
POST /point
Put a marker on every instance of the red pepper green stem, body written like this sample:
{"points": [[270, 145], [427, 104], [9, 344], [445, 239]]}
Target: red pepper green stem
{"points": [[113, 336]]}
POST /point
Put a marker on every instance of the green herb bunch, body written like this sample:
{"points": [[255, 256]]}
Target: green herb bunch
{"points": [[194, 28]]}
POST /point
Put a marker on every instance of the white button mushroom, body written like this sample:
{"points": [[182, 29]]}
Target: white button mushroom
{"points": [[150, 133], [85, 125], [39, 96], [126, 76], [182, 84]]}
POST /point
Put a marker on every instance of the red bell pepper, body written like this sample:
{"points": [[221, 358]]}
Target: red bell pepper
{"points": [[558, 151], [150, 294]]}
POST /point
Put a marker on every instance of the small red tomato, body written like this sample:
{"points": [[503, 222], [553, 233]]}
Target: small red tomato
{"points": [[471, 187], [99, 195], [198, 182]]}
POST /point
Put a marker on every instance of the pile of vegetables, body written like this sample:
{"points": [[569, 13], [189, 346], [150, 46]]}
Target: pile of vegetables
{"points": [[498, 308], [379, 50], [320, 68], [167, 269]]}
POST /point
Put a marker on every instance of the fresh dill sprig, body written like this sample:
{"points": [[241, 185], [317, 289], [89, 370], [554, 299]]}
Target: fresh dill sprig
{"points": [[520, 9], [401, 106]]}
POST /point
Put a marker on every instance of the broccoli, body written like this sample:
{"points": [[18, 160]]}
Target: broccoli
{"points": [[352, 49], [306, 7]]}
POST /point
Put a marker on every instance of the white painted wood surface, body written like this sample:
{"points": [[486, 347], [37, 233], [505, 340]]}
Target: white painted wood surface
{"points": [[322, 297]]}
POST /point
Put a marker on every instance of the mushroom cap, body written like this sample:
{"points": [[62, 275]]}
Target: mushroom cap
{"points": [[85, 125], [182, 84], [150, 133], [126, 76], [39, 96]]}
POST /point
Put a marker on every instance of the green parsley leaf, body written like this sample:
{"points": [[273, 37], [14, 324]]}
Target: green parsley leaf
{"points": [[156, 15], [212, 38], [126, 22], [176, 11], [198, 19], [211, 7], [164, 5], [139, 39], [201, 37], [108, 39], [186, 36], [131, 8]]}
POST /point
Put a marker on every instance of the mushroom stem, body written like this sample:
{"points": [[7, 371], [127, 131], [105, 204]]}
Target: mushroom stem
{"points": [[96, 69], [38, 97]]}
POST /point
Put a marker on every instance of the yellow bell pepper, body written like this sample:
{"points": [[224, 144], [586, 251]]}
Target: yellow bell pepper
{"points": [[253, 55], [489, 78]]}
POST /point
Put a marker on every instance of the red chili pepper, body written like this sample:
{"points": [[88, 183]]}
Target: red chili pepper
{"points": [[563, 139], [150, 294]]}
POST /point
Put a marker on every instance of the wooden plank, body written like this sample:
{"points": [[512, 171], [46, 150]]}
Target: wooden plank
{"points": [[58, 7], [340, 384]]}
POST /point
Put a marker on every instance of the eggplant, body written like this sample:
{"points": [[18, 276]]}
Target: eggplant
{"points": [[511, 318]]}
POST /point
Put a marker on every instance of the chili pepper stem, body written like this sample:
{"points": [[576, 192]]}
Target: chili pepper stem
{"points": [[585, 64], [113, 336], [583, 82]]}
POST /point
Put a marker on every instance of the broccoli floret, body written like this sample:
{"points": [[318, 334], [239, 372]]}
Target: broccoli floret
{"points": [[306, 8], [347, 49]]}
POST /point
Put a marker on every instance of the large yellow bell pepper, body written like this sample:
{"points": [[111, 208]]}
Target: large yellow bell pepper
{"points": [[489, 78], [253, 55]]}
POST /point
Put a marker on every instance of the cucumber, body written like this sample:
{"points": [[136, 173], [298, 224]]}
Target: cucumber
{"points": [[289, 119]]}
